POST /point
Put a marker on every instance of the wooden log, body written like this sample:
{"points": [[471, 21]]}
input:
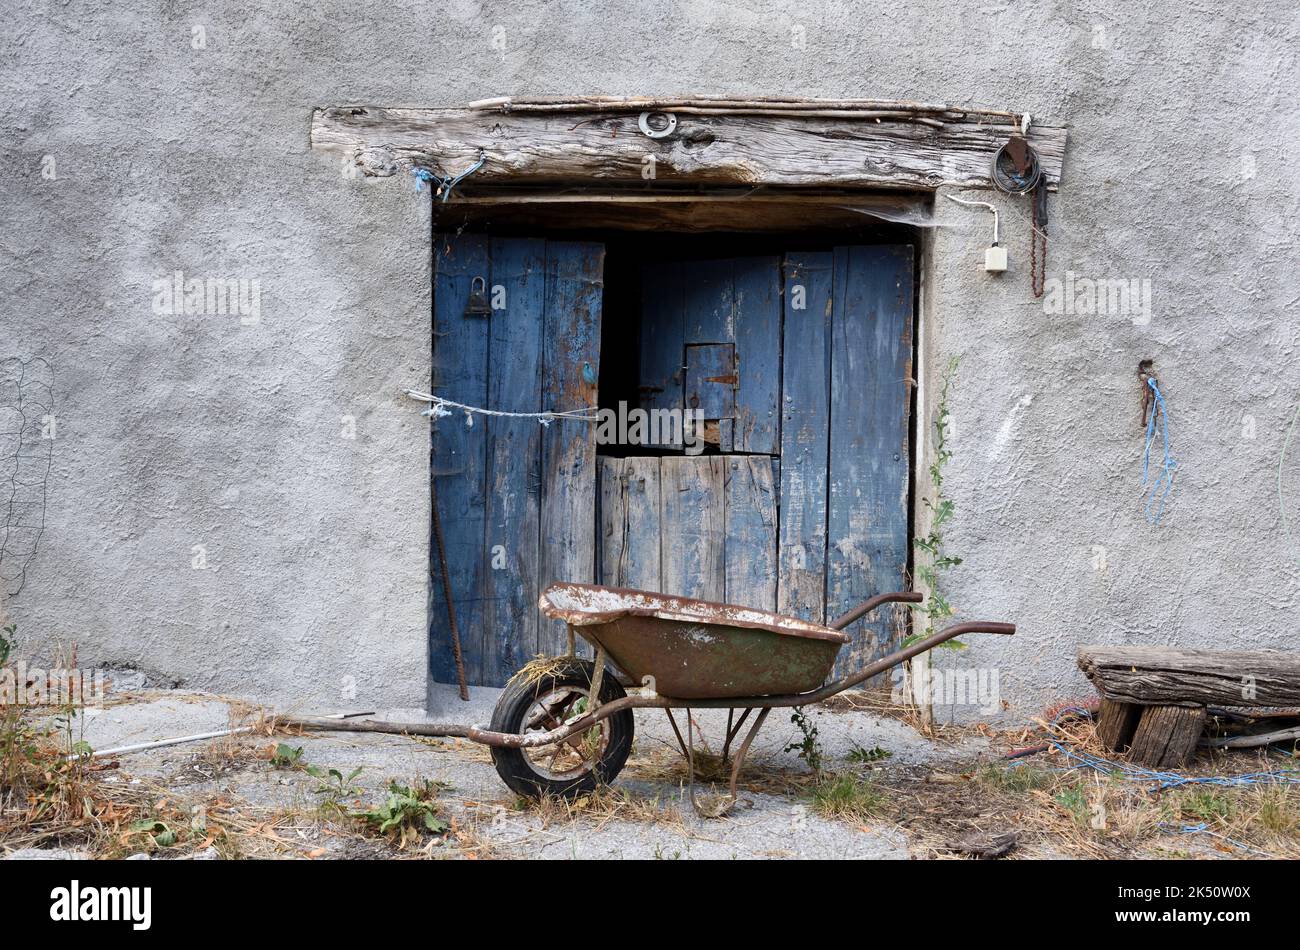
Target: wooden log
{"points": [[661, 103], [1116, 723], [1255, 740], [1160, 675], [586, 144], [1166, 736]]}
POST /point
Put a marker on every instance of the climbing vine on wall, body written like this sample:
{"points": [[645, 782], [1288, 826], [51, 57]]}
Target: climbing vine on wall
{"points": [[932, 559]]}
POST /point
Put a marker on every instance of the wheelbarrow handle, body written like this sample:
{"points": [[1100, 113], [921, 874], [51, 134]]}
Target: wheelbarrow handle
{"points": [[902, 597], [920, 646]]}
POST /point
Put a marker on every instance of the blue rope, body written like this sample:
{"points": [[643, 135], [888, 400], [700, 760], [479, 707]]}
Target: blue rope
{"points": [[445, 182], [1166, 477], [1161, 780]]}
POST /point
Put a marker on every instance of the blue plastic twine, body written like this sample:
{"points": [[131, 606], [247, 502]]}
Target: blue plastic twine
{"points": [[1155, 492], [445, 184]]}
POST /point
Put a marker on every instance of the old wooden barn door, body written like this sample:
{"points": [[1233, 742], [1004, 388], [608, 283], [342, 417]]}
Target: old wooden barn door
{"points": [[802, 366], [515, 497]]}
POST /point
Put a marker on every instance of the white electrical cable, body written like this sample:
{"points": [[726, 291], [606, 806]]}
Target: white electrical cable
{"points": [[979, 204]]}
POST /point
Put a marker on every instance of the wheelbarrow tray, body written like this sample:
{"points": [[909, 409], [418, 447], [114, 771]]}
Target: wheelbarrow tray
{"points": [[696, 649]]}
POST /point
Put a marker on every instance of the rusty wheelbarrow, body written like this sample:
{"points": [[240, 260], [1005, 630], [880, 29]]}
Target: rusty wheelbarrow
{"points": [[564, 725]]}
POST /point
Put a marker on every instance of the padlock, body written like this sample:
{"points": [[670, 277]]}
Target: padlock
{"points": [[478, 305]]}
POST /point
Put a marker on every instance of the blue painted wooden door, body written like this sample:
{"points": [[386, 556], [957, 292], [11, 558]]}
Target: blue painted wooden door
{"points": [[515, 497], [806, 510], [847, 388]]}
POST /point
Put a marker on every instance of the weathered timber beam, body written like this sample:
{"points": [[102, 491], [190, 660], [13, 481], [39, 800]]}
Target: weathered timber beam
{"points": [[715, 149], [752, 212], [1166, 736], [1160, 675], [668, 103]]}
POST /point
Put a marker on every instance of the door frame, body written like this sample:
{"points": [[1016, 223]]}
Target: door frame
{"points": [[919, 431]]}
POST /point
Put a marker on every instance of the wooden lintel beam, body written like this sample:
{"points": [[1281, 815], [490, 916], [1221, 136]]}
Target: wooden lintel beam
{"points": [[911, 150]]}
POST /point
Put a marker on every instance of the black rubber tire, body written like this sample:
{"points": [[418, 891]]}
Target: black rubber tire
{"points": [[514, 766]]}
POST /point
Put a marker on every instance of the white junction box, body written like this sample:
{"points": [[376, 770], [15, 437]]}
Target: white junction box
{"points": [[995, 259]]}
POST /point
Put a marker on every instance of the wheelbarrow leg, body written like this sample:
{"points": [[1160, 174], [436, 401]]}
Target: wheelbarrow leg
{"points": [[681, 743], [733, 731], [744, 748]]}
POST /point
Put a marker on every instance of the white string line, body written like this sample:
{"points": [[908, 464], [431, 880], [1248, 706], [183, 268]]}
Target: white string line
{"points": [[438, 409]]}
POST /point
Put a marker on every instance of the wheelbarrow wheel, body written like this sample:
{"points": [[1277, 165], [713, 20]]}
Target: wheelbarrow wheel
{"points": [[577, 765]]}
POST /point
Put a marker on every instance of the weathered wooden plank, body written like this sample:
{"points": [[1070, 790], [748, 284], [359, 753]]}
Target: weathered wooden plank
{"points": [[460, 372], [630, 522], [1166, 736], [1116, 723], [737, 103], [871, 360], [571, 340], [692, 548], [577, 208], [582, 145], [805, 430], [663, 342], [750, 526], [710, 382], [757, 289], [1160, 675], [709, 301], [510, 617]]}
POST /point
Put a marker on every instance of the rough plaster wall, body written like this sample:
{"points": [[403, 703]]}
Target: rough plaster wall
{"points": [[185, 431]]}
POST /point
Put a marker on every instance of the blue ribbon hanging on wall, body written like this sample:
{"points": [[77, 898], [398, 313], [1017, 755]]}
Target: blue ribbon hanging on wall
{"points": [[1158, 489]]}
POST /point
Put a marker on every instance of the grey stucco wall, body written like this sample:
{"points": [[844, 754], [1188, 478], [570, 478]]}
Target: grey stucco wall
{"points": [[184, 430]]}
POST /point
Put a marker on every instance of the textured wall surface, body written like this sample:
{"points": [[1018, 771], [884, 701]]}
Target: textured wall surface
{"points": [[185, 430]]}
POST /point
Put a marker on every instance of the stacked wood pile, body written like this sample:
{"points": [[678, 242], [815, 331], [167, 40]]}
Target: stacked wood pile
{"points": [[1156, 701]]}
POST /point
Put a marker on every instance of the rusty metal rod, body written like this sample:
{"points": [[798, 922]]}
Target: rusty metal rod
{"points": [[902, 596], [446, 590]]}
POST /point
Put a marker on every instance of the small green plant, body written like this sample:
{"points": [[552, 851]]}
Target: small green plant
{"points": [[863, 756], [808, 747], [406, 812], [333, 783], [159, 833], [8, 640], [932, 560], [1015, 778], [1204, 804], [847, 797], [286, 756], [1074, 801]]}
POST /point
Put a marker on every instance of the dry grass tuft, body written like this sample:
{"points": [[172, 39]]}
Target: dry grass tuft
{"points": [[538, 668], [602, 806], [848, 797]]}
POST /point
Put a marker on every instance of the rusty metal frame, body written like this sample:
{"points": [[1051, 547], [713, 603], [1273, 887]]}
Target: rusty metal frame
{"points": [[655, 701]]}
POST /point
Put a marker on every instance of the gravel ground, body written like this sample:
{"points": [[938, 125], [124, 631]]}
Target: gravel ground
{"points": [[646, 816]]}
